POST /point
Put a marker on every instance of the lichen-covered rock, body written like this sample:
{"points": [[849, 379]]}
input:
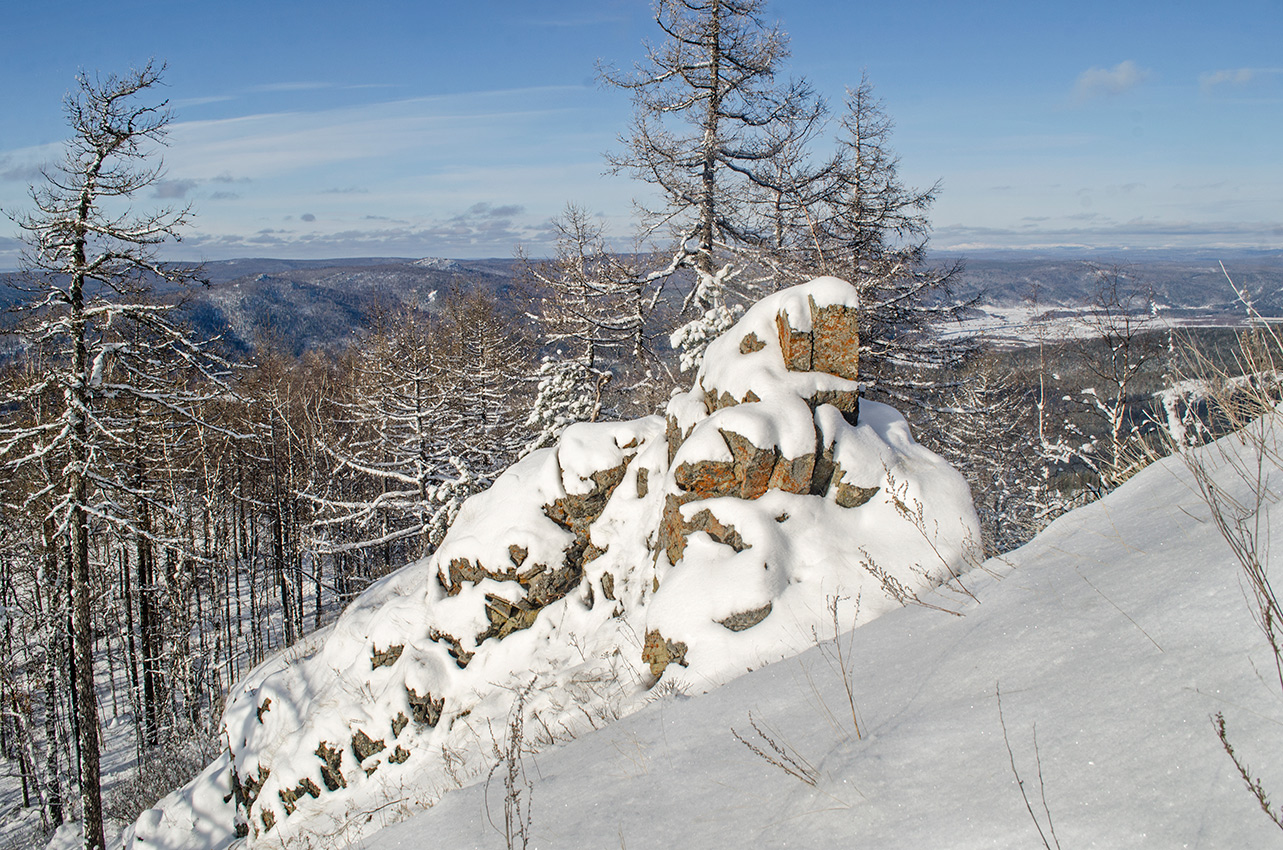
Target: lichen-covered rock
{"points": [[291, 796], [675, 528], [425, 710], [835, 340], [577, 512], [507, 617], [331, 766], [705, 479], [658, 653], [777, 445], [363, 746], [249, 785], [805, 343], [386, 657], [746, 619], [795, 345]]}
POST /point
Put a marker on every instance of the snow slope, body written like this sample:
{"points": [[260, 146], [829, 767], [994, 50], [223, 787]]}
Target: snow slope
{"points": [[682, 549], [1114, 637]]}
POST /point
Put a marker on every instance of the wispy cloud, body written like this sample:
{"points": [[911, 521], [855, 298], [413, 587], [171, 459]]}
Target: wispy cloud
{"points": [[473, 126], [1235, 77], [291, 86], [201, 101], [1097, 231], [1108, 82], [481, 230], [486, 211], [21, 171], [10, 253]]}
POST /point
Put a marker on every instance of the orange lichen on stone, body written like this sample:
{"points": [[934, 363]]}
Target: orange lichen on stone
{"points": [[835, 340], [658, 653], [795, 345]]}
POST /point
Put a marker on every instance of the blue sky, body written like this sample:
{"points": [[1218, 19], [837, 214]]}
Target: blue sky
{"points": [[327, 129]]}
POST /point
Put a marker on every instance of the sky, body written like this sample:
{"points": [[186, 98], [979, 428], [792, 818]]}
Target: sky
{"points": [[332, 129]]}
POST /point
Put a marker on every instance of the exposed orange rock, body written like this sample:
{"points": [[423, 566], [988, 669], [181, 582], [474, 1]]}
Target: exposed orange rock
{"points": [[835, 340], [795, 345], [658, 653]]}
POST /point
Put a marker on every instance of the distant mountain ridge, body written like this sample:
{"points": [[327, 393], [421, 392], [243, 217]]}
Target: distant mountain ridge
{"points": [[311, 304], [321, 304]]}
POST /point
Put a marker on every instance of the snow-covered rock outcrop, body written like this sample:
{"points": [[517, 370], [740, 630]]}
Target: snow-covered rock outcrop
{"points": [[686, 548]]}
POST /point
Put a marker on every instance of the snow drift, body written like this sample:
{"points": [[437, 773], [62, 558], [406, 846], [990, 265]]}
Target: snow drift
{"points": [[686, 548], [1115, 637]]}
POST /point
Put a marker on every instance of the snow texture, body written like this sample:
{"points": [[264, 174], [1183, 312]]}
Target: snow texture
{"points": [[1114, 637], [586, 575]]}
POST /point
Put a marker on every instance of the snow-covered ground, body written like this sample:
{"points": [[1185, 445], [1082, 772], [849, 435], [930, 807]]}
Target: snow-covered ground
{"points": [[1114, 637], [1022, 325]]}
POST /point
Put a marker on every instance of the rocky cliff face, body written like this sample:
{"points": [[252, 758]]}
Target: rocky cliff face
{"points": [[685, 548]]}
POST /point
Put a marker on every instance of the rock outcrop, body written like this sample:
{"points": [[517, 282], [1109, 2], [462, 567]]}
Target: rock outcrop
{"points": [[688, 546]]}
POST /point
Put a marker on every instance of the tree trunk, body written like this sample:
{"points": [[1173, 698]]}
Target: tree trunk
{"points": [[708, 175], [149, 630], [83, 654], [53, 617], [79, 401]]}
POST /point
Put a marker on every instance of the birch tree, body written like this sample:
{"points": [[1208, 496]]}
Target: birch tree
{"points": [[1117, 338]]}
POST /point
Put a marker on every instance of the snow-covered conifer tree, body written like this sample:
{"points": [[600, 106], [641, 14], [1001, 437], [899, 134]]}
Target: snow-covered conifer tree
{"points": [[709, 116], [592, 313], [858, 221]]}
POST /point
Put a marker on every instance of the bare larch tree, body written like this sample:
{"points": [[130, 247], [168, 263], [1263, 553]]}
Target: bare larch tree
{"points": [[709, 118], [108, 351]]}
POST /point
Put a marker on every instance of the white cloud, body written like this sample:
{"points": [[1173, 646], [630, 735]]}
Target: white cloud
{"points": [[473, 126], [471, 233], [290, 87], [1212, 80], [1105, 82], [1097, 231], [10, 253], [185, 102]]}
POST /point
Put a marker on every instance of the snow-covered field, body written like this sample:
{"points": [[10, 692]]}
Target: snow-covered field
{"points": [[1020, 326], [1114, 637]]}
